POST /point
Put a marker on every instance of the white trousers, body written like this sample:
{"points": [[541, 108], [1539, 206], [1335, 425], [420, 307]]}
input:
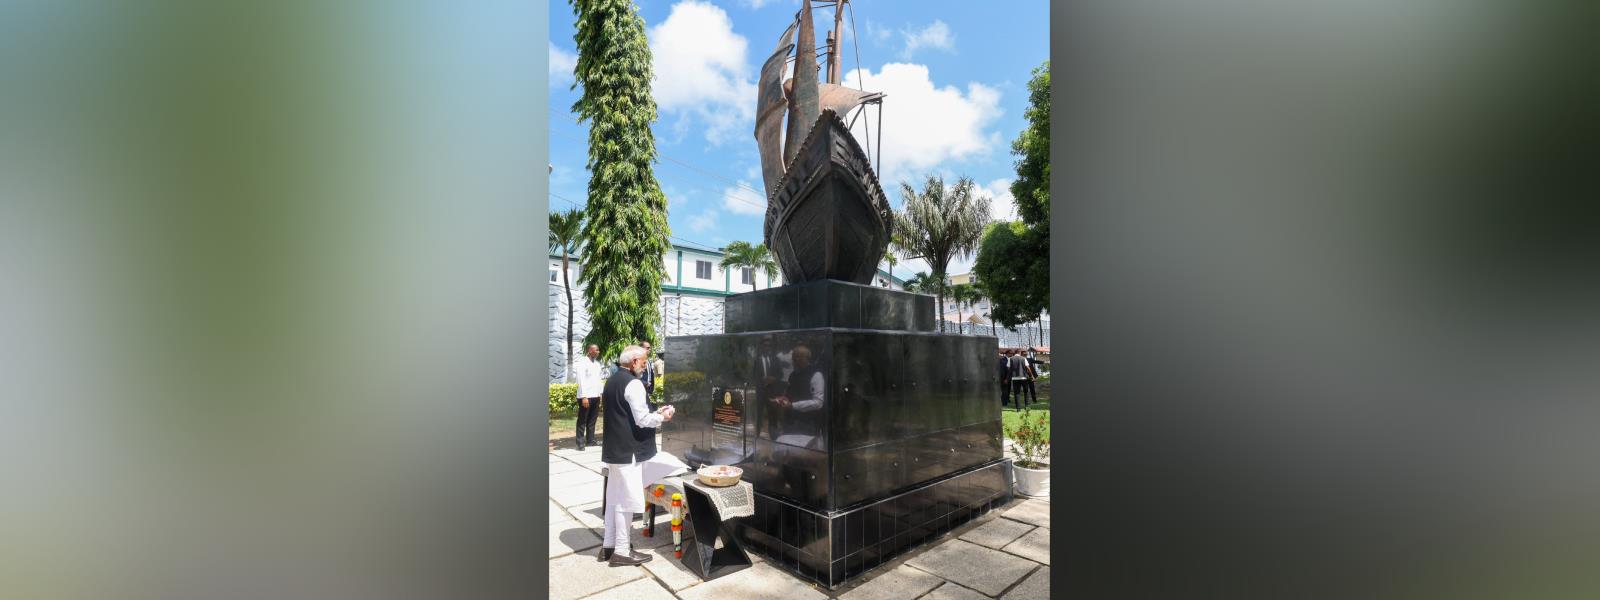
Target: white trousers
{"points": [[618, 524]]}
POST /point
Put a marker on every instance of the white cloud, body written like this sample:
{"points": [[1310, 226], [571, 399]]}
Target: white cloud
{"points": [[878, 32], [701, 71], [936, 35], [561, 65], [744, 201], [1002, 206], [911, 147], [755, 3], [703, 222]]}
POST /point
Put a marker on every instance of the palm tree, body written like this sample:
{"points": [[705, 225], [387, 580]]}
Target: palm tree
{"points": [[566, 235], [922, 283], [891, 254], [742, 254], [939, 224], [965, 295], [919, 283]]}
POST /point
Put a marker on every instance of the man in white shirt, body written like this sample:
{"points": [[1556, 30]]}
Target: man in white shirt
{"points": [[587, 372], [627, 446]]}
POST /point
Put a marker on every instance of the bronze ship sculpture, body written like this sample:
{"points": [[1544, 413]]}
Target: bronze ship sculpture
{"points": [[827, 217]]}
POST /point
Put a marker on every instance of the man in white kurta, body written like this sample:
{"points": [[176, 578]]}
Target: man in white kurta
{"points": [[588, 373], [628, 449]]}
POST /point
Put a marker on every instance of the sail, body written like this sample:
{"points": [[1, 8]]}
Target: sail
{"points": [[803, 109], [770, 103], [841, 100]]}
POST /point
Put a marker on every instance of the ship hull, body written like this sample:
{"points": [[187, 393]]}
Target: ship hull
{"points": [[828, 218]]}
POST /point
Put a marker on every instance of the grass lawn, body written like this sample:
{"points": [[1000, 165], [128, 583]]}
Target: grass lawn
{"points": [[562, 430]]}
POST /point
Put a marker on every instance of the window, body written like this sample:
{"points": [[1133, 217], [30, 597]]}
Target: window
{"points": [[746, 276], [702, 269], [553, 272]]}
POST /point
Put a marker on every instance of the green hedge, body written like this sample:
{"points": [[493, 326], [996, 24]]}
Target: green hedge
{"points": [[564, 398]]}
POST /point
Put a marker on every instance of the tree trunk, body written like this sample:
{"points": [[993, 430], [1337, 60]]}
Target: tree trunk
{"points": [[959, 320], [941, 311], [567, 284]]}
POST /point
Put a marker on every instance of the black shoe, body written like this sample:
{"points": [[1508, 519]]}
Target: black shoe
{"points": [[632, 559], [605, 554], [580, 446]]}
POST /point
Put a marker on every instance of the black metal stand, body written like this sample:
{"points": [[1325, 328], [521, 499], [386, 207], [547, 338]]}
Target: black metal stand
{"points": [[700, 553]]}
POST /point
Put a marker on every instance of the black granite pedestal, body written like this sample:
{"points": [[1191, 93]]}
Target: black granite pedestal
{"points": [[864, 432]]}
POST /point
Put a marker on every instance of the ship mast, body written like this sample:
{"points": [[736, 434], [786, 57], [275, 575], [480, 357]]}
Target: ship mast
{"points": [[835, 44]]}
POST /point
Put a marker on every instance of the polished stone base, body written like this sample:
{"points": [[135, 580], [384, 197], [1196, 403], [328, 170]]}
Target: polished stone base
{"points": [[863, 432], [828, 303], [835, 546]]}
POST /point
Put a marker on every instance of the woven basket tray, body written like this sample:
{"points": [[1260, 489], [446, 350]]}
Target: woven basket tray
{"points": [[719, 475]]}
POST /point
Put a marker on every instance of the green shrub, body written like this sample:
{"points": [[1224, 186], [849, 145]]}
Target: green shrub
{"points": [[1031, 439], [563, 399]]}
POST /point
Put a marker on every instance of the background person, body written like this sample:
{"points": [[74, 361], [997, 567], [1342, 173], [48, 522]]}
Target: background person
{"points": [[587, 372]]}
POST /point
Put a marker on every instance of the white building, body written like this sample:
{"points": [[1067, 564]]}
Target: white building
{"points": [[975, 319], [691, 297]]}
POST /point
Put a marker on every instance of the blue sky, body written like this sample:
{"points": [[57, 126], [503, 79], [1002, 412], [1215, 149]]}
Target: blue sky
{"points": [[955, 75]]}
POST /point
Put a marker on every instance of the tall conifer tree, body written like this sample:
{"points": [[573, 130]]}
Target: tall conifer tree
{"points": [[625, 229]]}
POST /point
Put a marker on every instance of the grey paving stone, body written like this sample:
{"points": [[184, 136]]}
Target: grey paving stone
{"points": [[984, 569], [1033, 512], [1035, 587], [579, 476], [558, 514], [951, 591], [565, 466], [577, 575], [902, 582], [1034, 546], [572, 495], [643, 589], [589, 514], [567, 537], [757, 582], [997, 533], [670, 570]]}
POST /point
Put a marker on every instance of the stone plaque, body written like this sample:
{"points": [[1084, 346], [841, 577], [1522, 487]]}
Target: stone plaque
{"points": [[727, 421]]}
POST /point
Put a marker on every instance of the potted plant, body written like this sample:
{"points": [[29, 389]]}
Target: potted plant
{"points": [[1030, 439]]}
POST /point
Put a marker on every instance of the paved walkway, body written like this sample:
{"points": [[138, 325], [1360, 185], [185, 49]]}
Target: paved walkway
{"points": [[1005, 554]]}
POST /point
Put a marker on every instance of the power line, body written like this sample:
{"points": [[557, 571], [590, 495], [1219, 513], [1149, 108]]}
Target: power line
{"points": [[703, 171], [702, 245]]}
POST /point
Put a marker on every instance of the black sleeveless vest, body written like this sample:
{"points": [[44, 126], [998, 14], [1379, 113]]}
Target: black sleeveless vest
{"points": [[622, 437]]}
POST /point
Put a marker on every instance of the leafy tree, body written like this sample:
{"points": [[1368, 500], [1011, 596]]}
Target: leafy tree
{"points": [[742, 254], [566, 236], [940, 223], [625, 231], [1032, 186], [888, 257], [1017, 285], [1013, 265]]}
